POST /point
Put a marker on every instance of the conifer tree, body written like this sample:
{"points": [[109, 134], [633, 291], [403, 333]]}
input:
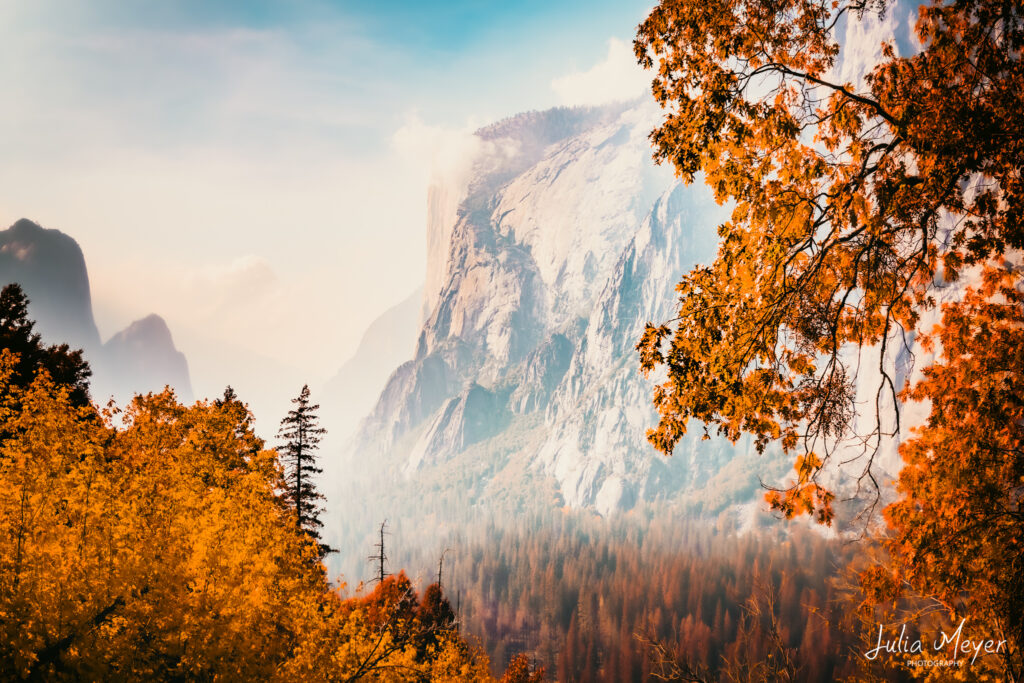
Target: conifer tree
{"points": [[17, 334], [301, 433]]}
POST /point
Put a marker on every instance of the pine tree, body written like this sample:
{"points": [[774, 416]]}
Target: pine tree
{"points": [[17, 334], [301, 433]]}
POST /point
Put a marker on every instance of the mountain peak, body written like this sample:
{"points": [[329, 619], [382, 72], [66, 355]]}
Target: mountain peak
{"points": [[151, 328], [24, 224], [143, 356], [28, 229], [50, 267]]}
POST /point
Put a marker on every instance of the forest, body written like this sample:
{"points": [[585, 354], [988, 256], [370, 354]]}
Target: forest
{"points": [[628, 603]]}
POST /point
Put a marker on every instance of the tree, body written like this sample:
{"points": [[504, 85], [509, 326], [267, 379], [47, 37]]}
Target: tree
{"points": [[435, 615], [147, 552], [957, 532], [835, 242], [520, 671], [63, 365], [850, 202], [380, 557], [154, 547], [301, 433], [853, 202]]}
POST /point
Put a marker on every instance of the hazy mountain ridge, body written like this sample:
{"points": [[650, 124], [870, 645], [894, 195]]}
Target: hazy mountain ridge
{"points": [[143, 355], [389, 340], [51, 268]]}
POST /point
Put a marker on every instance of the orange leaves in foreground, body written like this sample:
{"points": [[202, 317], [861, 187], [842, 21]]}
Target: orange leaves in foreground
{"points": [[958, 528], [160, 549], [848, 199], [151, 551], [854, 203]]}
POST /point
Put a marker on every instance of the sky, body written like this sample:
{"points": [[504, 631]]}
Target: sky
{"points": [[256, 172]]}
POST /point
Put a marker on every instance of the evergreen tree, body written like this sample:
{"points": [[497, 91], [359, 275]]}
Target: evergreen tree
{"points": [[65, 366], [301, 433]]}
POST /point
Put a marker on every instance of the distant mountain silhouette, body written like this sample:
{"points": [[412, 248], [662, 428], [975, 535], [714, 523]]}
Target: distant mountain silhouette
{"points": [[142, 357], [387, 342], [50, 267]]}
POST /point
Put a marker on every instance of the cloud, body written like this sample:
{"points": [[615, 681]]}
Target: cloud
{"points": [[170, 142], [222, 286], [862, 48], [247, 273], [617, 77], [436, 150]]}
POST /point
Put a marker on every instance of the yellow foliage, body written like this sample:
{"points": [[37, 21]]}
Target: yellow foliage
{"points": [[160, 549]]}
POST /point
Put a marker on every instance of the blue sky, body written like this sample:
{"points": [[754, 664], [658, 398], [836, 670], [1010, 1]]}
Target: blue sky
{"points": [[379, 58], [222, 163]]}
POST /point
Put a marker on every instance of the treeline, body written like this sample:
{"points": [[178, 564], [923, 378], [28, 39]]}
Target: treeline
{"points": [[640, 597], [162, 542]]}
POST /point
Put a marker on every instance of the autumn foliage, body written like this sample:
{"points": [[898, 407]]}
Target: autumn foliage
{"points": [[145, 551], [957, 532], [858, 198], [155, 544], [850, 199]]}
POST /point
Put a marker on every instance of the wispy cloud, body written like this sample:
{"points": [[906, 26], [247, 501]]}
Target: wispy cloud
{"points": [[616, 77]]}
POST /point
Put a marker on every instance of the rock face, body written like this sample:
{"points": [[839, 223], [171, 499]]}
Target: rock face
{"points": [[50, 268], [565, 241], [142, 357], [471, 417], [599, 413], [543, 371]]}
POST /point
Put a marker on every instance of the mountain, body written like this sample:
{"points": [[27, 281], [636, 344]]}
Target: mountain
{"points": [[544, 263], [142, 357], [387, 342], [50, 266]]}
